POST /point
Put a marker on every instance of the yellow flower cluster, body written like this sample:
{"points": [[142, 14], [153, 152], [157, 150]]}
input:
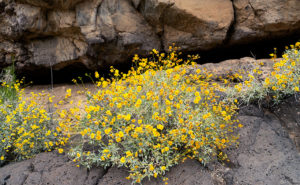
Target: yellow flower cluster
{"points": [[285, 77], [153, 117], [282, 81], [26, 127]]}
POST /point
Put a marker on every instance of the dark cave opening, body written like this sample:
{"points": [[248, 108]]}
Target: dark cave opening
{"points": [[259, 50]]}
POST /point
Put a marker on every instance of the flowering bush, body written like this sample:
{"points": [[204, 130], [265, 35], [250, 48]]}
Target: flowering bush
{"points": [[26, 128], [283, 80], [153, 117]]}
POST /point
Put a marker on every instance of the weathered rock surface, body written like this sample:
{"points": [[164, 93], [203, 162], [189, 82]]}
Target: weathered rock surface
{"points": [[97, 33], [264, 19], [267, 155], [190, 24], [237, 66], [51, 4], [288, 112], [48, 168], [189, 172]]}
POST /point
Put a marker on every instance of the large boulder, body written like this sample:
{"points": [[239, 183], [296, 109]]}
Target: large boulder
{"points": [[264, 19], [190, 24], [195, 25], [56, 51], [236, 66], [114, 31]]}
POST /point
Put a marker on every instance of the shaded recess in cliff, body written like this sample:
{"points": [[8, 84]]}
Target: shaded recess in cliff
{"points": [[257, 50]]}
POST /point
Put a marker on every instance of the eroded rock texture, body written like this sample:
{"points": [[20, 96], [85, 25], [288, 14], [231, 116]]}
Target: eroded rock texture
{"points": [[48, 168], [97, 33], [264, 19]]}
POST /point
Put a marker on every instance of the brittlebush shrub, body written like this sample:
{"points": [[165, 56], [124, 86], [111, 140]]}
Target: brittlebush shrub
{"points": [[26, 127], [284, 79], [154, 117]]}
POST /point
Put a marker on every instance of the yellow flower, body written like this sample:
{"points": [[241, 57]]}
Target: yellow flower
{"points": [[160, 127], [108, 113], [223, 141], [267, 81], [118, 139], [120, 134], [138, 103], [155, 51], [78, 155], [107, 131], [96, 74], [197, 99], [105, 151], [163, 168], [2, 158], [139, 88], [127, 117], [122, 160], [92, 136], [60, 150], [128, 154], [151, 168]]}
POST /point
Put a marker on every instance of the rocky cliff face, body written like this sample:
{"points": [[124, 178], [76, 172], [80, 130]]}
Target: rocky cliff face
{"points": [[96, 33]]}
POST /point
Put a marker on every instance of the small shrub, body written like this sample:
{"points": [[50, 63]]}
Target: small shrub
{"points": [[284, 79], [26, 128], [154, 117], [9, 85]]}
